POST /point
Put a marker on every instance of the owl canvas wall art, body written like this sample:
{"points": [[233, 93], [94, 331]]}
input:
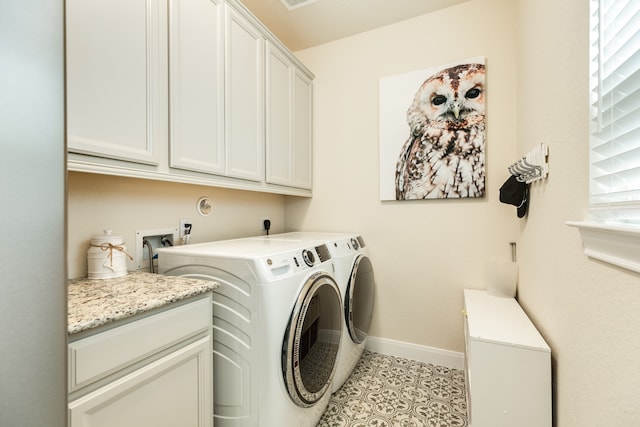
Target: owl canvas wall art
{"points": [[439, 150]]}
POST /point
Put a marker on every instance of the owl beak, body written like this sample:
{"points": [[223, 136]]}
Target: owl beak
{"points": [[455, 108]]}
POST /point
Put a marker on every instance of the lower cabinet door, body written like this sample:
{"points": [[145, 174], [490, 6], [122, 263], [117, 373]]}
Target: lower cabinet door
{"points": [[175, 390]]}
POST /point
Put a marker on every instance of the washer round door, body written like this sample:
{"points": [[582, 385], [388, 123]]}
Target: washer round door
{"points": [[358, 306], [312, 340]]}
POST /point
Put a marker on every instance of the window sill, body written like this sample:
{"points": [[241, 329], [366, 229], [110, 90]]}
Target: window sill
{"points": [[616, 244]]}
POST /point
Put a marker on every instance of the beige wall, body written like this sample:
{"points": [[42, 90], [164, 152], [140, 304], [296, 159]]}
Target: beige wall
{"points": [[587, 310], [125, 205], [424, 252]]}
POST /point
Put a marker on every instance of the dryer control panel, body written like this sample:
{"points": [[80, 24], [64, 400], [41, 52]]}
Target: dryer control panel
{"points": [[281, 265]]}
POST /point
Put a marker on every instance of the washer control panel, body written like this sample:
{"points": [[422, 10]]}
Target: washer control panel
{"points": [[294, 262]]}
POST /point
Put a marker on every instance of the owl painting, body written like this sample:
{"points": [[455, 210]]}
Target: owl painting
{"points": [[444, 154]]}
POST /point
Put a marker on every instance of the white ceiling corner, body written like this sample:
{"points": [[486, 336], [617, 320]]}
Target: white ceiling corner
{"points": [[328, 20], [294, 4]]}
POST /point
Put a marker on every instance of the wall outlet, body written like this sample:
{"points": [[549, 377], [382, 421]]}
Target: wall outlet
{"points": [[262, 223], [185, 226]]}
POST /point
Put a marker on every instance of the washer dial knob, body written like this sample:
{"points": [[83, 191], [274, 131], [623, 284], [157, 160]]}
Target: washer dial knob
{"points": [[308, 257]]}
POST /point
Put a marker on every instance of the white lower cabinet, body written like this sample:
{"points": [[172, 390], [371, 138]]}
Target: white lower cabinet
{"points": [[507, 364], [169, 392], [155, 371]]}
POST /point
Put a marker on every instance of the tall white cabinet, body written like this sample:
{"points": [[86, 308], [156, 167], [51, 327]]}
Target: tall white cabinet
{"points": [[507, 364], [186, 91]]}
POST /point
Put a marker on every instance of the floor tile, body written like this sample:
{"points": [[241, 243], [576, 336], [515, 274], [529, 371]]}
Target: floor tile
{"points": [[389, 391]]}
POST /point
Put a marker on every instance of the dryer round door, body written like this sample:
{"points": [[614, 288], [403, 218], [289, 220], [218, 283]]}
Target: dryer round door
{"points": [[312, 340], [358, 305]]}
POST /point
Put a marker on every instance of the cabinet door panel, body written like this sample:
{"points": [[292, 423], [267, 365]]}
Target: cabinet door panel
{"points": [[244, 98], [196, 85], [114, 66], [166, 393], [302, 131], [279, 115], [289, 132]]}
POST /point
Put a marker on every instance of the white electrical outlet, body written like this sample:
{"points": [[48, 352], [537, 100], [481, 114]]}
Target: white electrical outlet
{"points": [[183, 228], [185, 231]]}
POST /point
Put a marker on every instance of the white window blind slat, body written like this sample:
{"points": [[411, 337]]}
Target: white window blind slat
{"points": [[624, 88], [621, 181], [619, 122], [621, 119], [620, 35], [613, 147], [618, 163], [616, 72]]}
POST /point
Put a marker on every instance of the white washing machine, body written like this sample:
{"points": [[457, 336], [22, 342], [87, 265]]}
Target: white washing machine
{"points": [[276, 327], [354, 273]]}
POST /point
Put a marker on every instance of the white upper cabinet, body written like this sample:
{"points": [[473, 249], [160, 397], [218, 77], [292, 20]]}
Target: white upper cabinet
{"points": [[116, 101], [196, 85], [288, 127], [244, 107], [184, 91]]}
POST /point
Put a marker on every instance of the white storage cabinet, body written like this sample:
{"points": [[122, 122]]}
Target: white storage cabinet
{"points": [[507, 364], [155, 371]]}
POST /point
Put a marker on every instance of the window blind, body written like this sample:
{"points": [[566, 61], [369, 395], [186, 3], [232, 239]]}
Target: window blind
{"points": [[615, 110]]}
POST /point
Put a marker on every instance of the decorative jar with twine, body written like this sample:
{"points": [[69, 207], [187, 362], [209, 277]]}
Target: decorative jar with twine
{"points": [[107, 256]]}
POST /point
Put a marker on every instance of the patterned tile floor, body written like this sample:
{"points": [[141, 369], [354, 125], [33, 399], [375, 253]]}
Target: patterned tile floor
{"points": [[389, 391]]}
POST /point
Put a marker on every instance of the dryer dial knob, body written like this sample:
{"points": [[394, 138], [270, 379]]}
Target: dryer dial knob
{"points": [[354, 244], [308, 257]]}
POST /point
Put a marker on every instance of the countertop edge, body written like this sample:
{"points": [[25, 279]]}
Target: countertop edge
{"points": [[94, 303]]}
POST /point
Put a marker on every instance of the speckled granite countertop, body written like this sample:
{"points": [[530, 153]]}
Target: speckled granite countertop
{"points": [[94, 303]]}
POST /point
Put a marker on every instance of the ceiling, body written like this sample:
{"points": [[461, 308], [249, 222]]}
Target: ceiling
{"points": [[326, 20]]}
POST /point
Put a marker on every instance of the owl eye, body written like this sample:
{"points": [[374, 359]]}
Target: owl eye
{"points": [[472, 93], [439, 100]]}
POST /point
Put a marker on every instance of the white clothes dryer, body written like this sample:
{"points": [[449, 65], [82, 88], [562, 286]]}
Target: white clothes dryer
{"points": [[276, 327], [354, 273]]}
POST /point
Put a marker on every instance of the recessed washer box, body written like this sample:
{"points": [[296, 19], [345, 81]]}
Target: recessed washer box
{"points": [[155, 237]]}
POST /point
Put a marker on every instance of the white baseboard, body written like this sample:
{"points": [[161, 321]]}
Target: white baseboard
{"points": [[422, 353]]}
